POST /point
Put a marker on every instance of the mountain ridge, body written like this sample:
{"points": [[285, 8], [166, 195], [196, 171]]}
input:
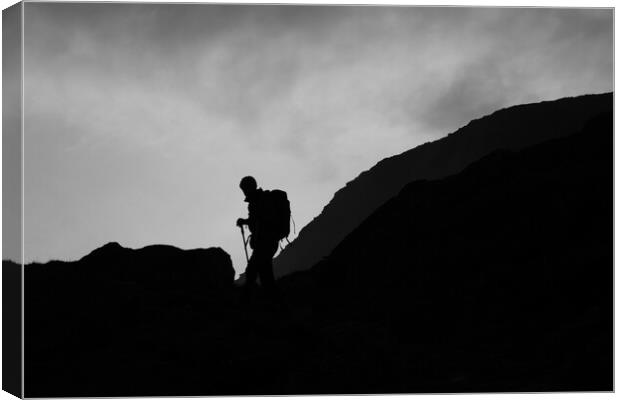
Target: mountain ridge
{"points": [[504, 128], [490, 278]]}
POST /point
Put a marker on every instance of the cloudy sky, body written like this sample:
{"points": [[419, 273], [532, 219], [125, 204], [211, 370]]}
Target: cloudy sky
{"points": [[141, 119]]}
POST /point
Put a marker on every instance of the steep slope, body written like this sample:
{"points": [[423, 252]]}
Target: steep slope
{"points": [[511, 128], [499, 278]]}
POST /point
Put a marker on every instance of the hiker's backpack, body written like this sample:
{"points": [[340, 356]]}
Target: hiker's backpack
{"points": [[279, 213]]}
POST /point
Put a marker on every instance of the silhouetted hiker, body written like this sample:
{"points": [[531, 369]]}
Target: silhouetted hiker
{"points": [[268, 220]]}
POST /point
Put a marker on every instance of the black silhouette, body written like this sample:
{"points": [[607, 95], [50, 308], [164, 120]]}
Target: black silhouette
{"points": [[268, 222], [511, 128], [497, 278]]}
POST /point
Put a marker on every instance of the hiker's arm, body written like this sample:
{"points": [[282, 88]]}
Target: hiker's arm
{"points": [[242, 221], [252, 223]]}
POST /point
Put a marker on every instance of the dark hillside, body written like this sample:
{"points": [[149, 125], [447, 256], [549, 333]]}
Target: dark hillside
{"points": [[498, 278], [511, 128]]}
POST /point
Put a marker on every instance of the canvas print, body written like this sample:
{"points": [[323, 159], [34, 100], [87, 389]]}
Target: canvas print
{"points": [[246, 199]]}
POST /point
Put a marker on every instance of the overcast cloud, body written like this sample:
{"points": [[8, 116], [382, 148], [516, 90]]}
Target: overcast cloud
{"points": [[141, 119]]}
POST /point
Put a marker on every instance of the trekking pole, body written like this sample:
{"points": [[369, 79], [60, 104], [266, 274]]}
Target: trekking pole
{"points": [[245, 244]]}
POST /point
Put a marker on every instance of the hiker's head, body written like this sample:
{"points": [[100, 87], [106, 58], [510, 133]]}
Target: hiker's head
{"points": [[248, 186]]}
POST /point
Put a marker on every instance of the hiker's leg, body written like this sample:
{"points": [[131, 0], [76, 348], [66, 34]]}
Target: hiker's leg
{"points": [[264, 264], [251, 273], [265, 269], [266, 275]]}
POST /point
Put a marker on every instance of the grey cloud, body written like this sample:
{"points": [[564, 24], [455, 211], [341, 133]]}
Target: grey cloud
{"points": [[525, 62], [188, 98], [476, 90]]}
